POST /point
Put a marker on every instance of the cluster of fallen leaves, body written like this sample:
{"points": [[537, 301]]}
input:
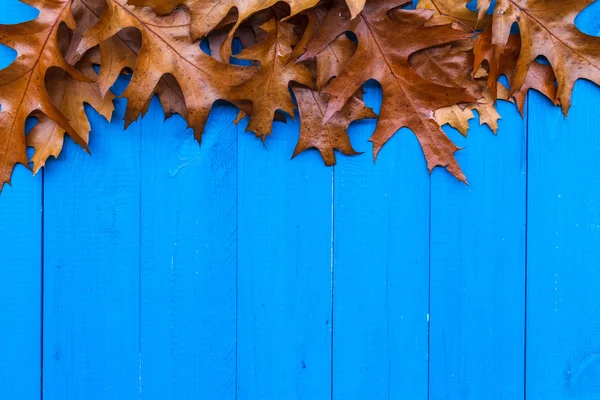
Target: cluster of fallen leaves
{"points": [[436, 64]]}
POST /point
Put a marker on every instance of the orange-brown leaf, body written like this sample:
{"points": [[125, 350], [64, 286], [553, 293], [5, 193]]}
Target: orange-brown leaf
{"points": [[268, 89], [206, 15], [409, 100], [117, 53], [69, 96], [334, 57], [22, 89], [547, 28], [445, 65], [539, 76], [331, 135], [167, 49]]}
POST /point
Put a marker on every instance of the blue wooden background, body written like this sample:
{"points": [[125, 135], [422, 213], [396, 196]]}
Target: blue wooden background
{"points": [[157, 269]]}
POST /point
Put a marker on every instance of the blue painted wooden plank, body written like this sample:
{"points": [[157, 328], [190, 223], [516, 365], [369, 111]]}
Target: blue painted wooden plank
{"points": [[478, 266], [381, 241], [20, 262], [91, 266], [188, 281], [284, 269], [563, 257], [20, 286]]}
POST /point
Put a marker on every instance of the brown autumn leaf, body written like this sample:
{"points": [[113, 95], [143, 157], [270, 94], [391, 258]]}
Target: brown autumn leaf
{"points": [[329, 136], [445, 65], [332, 59], [547, 28], [456, 9], [450, 61], [69, 96], [268, 89], [119, 53], [539, 77], [167, 49], [383, 54], [209, 14], [22, 89]]}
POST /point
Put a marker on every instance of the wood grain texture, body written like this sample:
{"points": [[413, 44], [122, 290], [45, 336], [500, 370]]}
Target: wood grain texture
{"points": [[478, 266], [188, 237], [284, 269], [563, 258], [380, 292], [92, 266], [20, 263]]}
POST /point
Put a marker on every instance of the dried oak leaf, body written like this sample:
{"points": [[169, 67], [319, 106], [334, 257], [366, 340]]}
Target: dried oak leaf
{"points": [[329, 136], [383, 54], [167, 49], [268, 89], [332, 59], [69, 96], [22, 89], [117, 53], [547, 28], [448, 65], [207, 15], [539, 76]]}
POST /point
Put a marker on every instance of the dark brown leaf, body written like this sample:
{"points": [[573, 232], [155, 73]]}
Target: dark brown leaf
{"points": [[331, 135], [268, 89], [332, 59], [539, 77], [69, 96], [547, 28], [383, 54], [167, 49]]}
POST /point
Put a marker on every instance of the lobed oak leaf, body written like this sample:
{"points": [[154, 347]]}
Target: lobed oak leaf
{"points": [[547, 28], [69, 96], [539, 76], [207, 15], [329, 136], [445, 65], [167, 49], [332, 58], [117, 53], [383, 54], [22, 89], [459, 115], [268, 89]]}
